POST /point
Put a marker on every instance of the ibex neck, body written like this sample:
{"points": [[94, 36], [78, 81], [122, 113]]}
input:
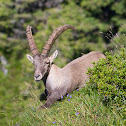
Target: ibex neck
{"points": [[53, 69]]}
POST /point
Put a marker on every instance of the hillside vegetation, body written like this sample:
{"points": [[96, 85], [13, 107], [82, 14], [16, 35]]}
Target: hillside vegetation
{"points": [[80, 108], [100, 27]]}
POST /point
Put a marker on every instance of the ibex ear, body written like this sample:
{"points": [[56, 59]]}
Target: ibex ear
{"points": [[30, 58], [53, 56]]}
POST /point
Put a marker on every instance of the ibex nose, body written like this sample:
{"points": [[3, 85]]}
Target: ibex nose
{"points": [[37, 76]]}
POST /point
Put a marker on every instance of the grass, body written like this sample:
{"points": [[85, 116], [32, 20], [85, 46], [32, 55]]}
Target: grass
{"points": [[80, 109]]}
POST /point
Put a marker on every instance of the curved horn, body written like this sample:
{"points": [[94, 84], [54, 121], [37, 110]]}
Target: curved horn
{"points": [[31, 42], [53, 37]]}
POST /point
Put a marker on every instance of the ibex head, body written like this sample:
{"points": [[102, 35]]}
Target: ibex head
{"points": [[42, 61]]}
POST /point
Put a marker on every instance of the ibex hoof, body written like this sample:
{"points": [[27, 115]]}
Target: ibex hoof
{"points": [[40, 108]]}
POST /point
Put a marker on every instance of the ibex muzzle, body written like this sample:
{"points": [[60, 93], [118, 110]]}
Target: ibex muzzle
{"points": [[59, 81]]}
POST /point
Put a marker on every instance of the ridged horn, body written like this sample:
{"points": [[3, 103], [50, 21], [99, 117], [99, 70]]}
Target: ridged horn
{"points": [[53, 37], [31, 41]]}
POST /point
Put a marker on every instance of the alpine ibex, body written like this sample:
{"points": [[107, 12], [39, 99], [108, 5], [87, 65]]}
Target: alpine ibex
{"points": [[59, 81]]}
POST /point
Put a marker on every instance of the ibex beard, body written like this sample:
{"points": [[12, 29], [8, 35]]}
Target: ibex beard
{"points": [[59, 81]]}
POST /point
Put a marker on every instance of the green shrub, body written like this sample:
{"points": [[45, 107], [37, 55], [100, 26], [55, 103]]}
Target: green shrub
{"points": [[109, 78]]}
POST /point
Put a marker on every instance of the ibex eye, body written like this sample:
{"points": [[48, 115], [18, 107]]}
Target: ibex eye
{"points": [[33, 62], [47, 62]]}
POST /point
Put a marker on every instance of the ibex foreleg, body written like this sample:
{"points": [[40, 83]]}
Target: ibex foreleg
{"points": [[44, 95], [54, 96]]}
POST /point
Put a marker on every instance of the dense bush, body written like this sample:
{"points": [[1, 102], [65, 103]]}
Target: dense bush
{"points": [[109, 78]]}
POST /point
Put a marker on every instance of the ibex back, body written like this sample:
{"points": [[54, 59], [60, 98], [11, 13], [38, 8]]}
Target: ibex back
{"points": [[59, 81]]}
